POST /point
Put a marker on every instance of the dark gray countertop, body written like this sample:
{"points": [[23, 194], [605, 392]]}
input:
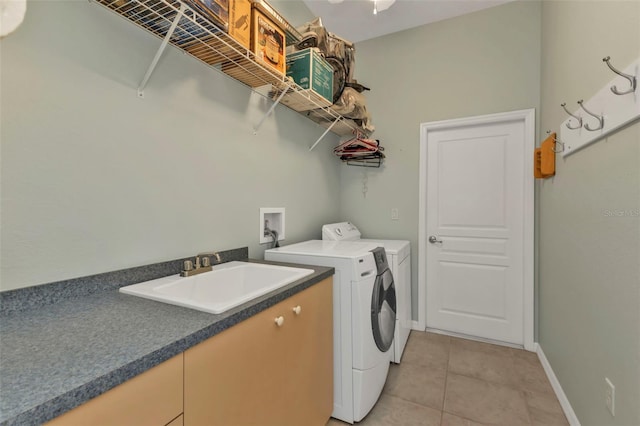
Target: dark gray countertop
{"points": [[53, 358]]}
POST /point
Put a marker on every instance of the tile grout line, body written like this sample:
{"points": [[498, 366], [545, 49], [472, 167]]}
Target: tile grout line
{"points": [[526, 405], [446, 374], [446, 379], [445, 389], [510, 385], [441, 410], [510, 355], [521, 388]]}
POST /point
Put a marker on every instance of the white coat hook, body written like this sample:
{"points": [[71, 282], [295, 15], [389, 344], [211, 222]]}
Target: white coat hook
{"points": [[578, 118], [556, 142], [632, 79], [599, 117]]}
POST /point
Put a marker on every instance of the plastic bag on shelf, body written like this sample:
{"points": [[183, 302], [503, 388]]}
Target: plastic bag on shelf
{"points": [[313, 35], [352, 104]]}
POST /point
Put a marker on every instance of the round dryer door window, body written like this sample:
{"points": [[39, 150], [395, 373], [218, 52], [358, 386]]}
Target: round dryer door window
{"points": [[383, 310]]}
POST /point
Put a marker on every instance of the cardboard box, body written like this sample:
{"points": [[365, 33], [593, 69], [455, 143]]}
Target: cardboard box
{"points": [[268, 41], [278, 19], [240, 22], [311, 72]]}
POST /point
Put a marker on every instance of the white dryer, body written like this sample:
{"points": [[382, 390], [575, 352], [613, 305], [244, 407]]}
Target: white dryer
{"points": [[399, 257], [363, 318]]}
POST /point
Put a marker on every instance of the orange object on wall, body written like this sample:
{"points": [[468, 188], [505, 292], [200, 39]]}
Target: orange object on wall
{"points": [[544, 158], [537, 157], [548, 161]]}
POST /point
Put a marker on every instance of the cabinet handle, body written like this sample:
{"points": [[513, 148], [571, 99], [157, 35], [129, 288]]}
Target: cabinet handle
{"points": [[279, 321], [297, 310]]}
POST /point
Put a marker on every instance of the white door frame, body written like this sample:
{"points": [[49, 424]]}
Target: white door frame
{"points": [[528, 117]]}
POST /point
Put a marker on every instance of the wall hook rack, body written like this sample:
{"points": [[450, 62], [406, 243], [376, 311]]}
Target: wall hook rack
{"points": [[577, 117], [632, 79], [600, 118], [615, 113]]}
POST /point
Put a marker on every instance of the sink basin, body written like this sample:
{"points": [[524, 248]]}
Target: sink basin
{"points": [[226, 286]]}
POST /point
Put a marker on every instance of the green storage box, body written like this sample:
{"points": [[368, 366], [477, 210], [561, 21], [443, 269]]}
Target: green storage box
{"points": [[315, 75]]}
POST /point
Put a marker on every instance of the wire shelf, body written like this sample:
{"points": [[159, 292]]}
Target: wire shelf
{"points": [[198, 36]]}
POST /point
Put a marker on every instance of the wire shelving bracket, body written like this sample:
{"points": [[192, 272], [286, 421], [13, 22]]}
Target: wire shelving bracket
{"points": [[175, 23], [163, 46], [325, 133], [273, 106]]}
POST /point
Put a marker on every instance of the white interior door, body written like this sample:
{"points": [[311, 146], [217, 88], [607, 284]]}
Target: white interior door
{"points": [[477, 226]]}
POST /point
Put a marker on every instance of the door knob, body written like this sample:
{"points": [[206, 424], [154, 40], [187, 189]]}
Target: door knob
{"points": [[297, 310], [433, 239], [279, 321]]}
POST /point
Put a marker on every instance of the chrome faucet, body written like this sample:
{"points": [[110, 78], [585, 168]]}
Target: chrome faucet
{"points": [[201, 265]]}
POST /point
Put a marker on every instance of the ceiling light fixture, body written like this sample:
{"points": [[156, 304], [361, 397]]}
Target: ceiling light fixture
{"points": [[11, 15], [378, 5]]}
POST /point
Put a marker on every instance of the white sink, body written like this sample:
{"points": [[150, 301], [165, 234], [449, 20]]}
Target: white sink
{"points": [[226, 286]]}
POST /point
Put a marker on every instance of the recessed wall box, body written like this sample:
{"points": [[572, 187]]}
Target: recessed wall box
{"points": [[273, 219]]}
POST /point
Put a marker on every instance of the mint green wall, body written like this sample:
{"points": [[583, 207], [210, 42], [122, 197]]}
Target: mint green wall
{"points": [[482, 63], [94, 179], [589, 322], [521, 55]]}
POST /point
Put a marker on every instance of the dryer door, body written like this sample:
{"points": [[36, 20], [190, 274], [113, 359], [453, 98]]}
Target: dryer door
{"points": [[383, 310]]}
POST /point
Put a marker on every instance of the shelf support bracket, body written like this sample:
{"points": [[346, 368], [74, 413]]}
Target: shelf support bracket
{"points": [[325, 133], [156, 58], [273, 106]]}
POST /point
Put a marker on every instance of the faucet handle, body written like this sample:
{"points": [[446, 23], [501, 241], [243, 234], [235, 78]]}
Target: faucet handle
{"points": [[208, 255], [187, 265], [206, 261]]}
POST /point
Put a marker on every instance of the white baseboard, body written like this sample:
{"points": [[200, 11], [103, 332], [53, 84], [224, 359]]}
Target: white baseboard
{"points": [[562, 398], [415, 325]]}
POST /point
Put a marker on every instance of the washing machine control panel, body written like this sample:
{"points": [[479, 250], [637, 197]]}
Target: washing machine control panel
{"points": [[342, 231]]}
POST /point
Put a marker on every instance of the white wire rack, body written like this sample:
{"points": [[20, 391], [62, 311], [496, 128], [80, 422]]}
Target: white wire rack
{"points": [[177, 24]]}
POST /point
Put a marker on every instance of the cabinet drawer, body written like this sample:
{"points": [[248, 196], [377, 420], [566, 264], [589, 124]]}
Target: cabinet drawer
{"points": [[152, 398]]}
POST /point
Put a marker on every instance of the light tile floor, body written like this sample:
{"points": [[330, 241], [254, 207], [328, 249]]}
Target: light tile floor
{"points": [[447, 381]]}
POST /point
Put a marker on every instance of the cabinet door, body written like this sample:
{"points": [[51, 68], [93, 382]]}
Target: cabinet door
{"points": [[153, 398], [310, 357], [259, 373]]}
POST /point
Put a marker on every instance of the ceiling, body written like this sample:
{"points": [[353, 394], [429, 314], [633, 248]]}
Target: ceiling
{"points": [[354, 20]]}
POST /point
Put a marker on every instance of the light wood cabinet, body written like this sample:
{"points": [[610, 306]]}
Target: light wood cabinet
{"points": [[255, 373], [153, 398], [262, 373]]}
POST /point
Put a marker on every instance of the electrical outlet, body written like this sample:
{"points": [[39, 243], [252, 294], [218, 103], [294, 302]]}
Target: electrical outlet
{"points": [[395, 215], [610, 396]]}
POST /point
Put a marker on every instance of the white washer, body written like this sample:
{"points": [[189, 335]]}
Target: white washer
{"points": [[360, 362], [399, 257]]}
